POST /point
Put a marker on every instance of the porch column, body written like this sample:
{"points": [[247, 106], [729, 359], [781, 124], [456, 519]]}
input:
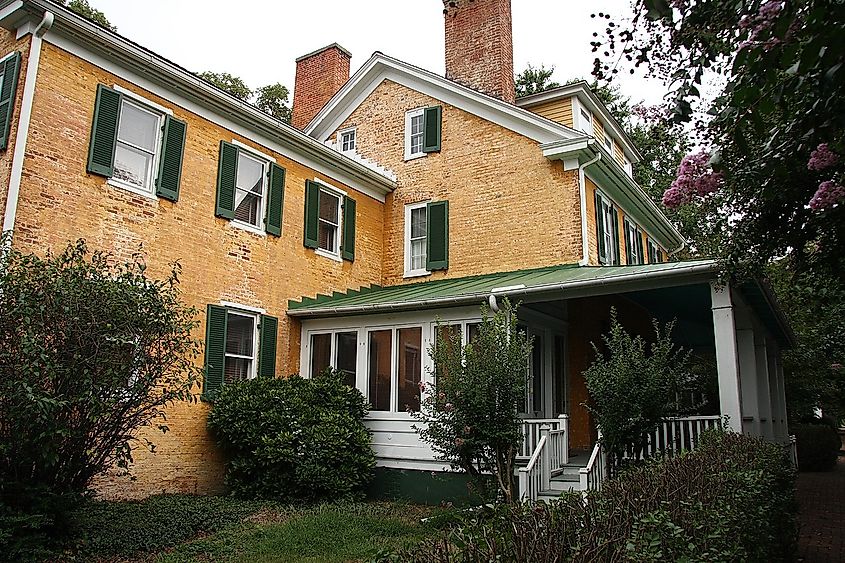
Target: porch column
{"points": [[727, 364], [764, 393], [774, 392], [784, 428], [748, 385]]}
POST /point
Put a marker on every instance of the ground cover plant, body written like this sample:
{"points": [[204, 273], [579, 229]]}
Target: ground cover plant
{"points": [[732, 499]]}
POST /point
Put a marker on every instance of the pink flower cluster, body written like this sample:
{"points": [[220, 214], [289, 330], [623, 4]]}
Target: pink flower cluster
{"points": [[822, 158], [656, 112], [762, 21], [829, 194], [695, 178]]}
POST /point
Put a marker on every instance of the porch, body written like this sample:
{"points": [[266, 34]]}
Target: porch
{"points": [[381, 336]]}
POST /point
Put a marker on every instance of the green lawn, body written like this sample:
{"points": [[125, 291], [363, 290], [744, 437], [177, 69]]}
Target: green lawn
{"points": [[176, 529]]}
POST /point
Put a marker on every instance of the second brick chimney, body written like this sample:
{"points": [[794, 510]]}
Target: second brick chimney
{"points": [[319, 75], [479, 46]]}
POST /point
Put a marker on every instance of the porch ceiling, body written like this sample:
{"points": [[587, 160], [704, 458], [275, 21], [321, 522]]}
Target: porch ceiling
{"points": [[540, 284]]}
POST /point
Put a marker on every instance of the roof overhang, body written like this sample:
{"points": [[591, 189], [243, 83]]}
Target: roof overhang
{"points": [[17, 14], [586, 96], [609, 175], [380, 67]]}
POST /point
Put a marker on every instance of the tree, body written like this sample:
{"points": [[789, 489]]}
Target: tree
{"points": [[533, 80], [91, 352], [84, 9], [233, 85], [271, 99], [774, 134], [633, 385], [470, 415]]}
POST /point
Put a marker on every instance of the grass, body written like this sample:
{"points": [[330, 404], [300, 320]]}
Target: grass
{"points": [[181, 529]]}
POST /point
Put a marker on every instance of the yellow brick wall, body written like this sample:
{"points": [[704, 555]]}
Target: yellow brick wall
{"points": [[59, 202], [559, 111], [9, 44], [509, 207]]}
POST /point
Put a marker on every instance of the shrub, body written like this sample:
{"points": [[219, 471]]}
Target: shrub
{"points": [[818, 446], [294, 438], [730, 500]]}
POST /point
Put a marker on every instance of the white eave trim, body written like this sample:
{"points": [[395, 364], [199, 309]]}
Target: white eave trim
{"points": [[380, 67], [585, 96]]}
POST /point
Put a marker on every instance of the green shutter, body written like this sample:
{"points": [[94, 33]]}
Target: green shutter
{"points": [[640, 246], [227, 172], [437, 236], [104, 131], [312, 210], [347, 246], [215, 349], [600, 231], [170, 164], [269, 331], [626, 231], [11, 67], [615, 215], [275, 205], [431, 132]]}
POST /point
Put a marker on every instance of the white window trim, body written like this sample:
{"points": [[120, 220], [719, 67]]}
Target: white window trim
{"points": [[608, 229], [242, 307], [262, 212], [253, 150], [255, 314], [341, 194], [141, 99], [409, 273], [658, 250], [153, 108], [629, 226], [408, 115], [339, 139], [394, 361], [577, 118]]}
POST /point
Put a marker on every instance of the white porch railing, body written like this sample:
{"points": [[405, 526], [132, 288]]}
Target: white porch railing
{"points": [[547, 459], [531, 432], [674, 435], [596, 471], [793, 451], [530, 476]]}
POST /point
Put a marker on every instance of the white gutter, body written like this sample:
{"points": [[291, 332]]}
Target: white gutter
{"points": [[700, 267], [32, 61], [582, 189]]}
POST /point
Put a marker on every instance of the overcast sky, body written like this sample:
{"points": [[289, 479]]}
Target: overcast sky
{"points": [[259, 40]]}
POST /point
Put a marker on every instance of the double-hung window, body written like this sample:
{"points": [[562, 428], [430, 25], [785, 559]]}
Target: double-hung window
{"points": [[655, 254], [330, 219], [422, 131], [250, 190], [633, 243], [426, 237], [394, 369], [415, 239], [338, 350], [608, 143], [346, 140], [607, 231], [138, 140], [328, 225], [241, 346], [586, 121]]}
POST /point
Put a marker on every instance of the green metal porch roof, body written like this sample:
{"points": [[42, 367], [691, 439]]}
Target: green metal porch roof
{"points": [[565, 280]]}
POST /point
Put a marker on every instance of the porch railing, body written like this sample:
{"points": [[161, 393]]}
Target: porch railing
{"points": [[531, 476], [593, 475], [531, 432], [793, 451], [674, 435], [546, 461]]}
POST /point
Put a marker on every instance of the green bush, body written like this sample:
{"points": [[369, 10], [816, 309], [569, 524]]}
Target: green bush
{"points": [[732, 499], [294, 438], [818, 446]]}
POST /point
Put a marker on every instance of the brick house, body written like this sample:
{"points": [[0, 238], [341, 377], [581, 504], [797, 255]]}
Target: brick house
{"points": [[400, 199]]}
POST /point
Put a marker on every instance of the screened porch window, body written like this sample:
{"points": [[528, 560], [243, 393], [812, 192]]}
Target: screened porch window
{"points": [[337, 350]]}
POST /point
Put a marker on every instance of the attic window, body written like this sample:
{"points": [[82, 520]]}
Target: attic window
{"points": [[586, 122], [347, 140]]}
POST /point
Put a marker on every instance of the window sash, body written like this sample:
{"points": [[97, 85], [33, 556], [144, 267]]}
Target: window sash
{"points": [[347, 141], [249, 358], [331, 241], [414, 132], [150, 155], [611, 245], [255, 215]]}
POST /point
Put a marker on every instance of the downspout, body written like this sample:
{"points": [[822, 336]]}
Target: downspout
{"points": [[23, 125], [585, 245], [680, 248]]}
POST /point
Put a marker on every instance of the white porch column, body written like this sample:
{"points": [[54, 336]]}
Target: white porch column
{"points": [[748, 385], [727, 364], [774, 393], [764, 393], [784, 429]]}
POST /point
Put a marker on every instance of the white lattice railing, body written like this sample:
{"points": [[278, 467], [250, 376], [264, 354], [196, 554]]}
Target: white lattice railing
{"points": [[547, 458], [531, 432], [675, 435]]}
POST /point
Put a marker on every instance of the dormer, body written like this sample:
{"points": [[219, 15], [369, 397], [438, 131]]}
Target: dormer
{"points": [[576, 106]]}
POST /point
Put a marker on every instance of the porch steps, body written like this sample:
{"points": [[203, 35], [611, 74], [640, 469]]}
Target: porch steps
{"points": [[567, 478]]}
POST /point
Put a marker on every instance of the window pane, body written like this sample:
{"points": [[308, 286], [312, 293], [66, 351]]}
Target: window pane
{"points": [[379, 373], [236, 369], [416, 124], [410, 368], [321, 349], [472, 331], [347, 355], [247, 207], [250, 174], [416, 143], [418, 254], [329, 205], [537, 374], [418, 222], [132, 165], [138, 127], [326, 236], [240, 332]]}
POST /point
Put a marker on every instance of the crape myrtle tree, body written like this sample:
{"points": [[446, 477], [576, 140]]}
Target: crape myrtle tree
{"points": [[469, 414], [773, 138], [91, 351]]}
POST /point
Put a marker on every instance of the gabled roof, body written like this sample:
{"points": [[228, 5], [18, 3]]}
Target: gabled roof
{"points": [[380, 67], [167, 74], [587, 97]]}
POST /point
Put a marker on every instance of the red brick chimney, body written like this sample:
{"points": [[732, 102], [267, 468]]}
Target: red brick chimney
{"points": [[319, 75], [479, 46]]}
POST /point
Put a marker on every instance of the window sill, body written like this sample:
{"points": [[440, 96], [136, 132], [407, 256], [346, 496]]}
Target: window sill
{"points": [[327, 254], [416, 273], [247, 227], [414, 156], [130, 188]]}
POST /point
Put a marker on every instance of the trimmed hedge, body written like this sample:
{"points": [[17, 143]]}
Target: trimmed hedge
{"points": [[818, 446], [732, 499], [294, 438]]}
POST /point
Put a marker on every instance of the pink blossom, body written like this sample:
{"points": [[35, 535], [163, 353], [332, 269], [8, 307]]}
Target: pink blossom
{"points": [[441, 396], [448, 407], [836, 366], [459, 442], [422, 386], [467, 429], [695, 179], [762, 21], [822, 158], [829, 194]]}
